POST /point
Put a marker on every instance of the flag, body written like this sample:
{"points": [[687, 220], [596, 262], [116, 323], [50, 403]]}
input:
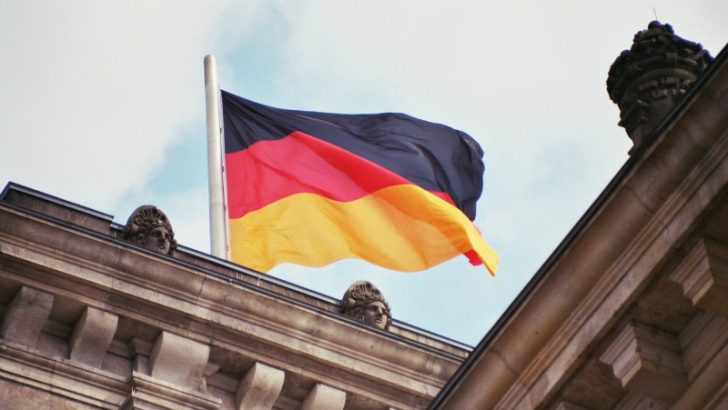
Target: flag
{"points": [[311, 188]]}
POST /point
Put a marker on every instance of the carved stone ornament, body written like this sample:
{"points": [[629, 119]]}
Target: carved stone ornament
{"points": [[149, 227], [647, 80], [364, 302]]}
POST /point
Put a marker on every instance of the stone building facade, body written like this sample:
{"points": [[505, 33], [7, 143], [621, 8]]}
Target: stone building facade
{"points": [[631, 310], [94, 319]]}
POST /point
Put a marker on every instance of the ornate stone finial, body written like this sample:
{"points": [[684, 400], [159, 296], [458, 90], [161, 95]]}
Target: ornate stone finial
{"points": [[149, 227], [647, 80], [364, 302]]}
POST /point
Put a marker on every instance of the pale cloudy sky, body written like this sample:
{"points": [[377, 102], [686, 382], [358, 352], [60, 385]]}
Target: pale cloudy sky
{"points": [[102, 103]]}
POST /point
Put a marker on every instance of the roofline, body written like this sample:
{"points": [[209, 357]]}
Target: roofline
{"points": [[468, 364], [12, 186]]}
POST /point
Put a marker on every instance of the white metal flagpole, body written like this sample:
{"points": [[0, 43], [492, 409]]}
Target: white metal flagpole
{"points": [[218, 215]]}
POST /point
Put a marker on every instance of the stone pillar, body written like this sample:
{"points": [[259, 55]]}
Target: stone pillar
{"points": [[260, 387], [92, 335], [323, 397], [26, 315]]}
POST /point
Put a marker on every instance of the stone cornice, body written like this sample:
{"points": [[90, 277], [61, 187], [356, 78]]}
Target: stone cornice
{"points": [[654, 203], [214, 310], [96, 224], [78, 382]]}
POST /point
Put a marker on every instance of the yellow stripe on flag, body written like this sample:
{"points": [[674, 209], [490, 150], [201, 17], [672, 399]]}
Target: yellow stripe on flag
{"points": [[401, 227]]}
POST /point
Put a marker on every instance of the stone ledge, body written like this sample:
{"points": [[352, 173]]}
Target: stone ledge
{"points": [[323, 397], [148, 393], [73, 381], [387, 365]]}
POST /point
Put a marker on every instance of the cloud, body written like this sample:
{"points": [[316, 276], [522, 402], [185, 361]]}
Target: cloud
{"points": [[102, 103], [91, 93], [525, 79]]}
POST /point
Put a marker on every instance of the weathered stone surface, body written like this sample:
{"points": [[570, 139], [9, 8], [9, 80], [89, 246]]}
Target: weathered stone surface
{"points": [[703, 275], [709, 387], [92, 335], [323, 397], [207, 306], [639, 402], [54, 384], [25, 316], [15, 396], [178, 360], [594, 387], [648, 362], [260, 388], [652, 76], [148, 393], [701, 339], [631, 238], [565, 405]]}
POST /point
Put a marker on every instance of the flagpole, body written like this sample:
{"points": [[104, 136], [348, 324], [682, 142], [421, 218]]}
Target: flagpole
{"points": [[218, 215]]}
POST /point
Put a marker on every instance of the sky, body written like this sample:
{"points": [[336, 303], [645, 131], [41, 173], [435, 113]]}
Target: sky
{"points": [[102, 104]]}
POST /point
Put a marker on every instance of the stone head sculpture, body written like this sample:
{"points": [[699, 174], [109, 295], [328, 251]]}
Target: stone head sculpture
{"points": [[149, 227], [364, 302]]}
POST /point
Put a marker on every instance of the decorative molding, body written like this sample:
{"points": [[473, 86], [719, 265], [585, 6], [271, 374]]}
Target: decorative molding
{"points": [[703, 275], [92, 336], [72, 381], [667, 207], [634, 401], [260, 388], [25, 316], [701, 339], [179, 360], [148, 393], [323, 397], [647, 80], [160, 294], [647, 361]]}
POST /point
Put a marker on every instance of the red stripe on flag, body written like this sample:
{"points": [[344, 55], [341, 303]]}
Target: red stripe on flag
{"points": [[271, 170]]}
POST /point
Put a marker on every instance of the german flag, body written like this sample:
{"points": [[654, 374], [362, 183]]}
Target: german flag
{"points": [[311, 188]]}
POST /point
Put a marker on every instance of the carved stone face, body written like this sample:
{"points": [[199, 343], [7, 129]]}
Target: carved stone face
{"points": [[150, 228], [364, 303], [374, 314], [159, 240]]}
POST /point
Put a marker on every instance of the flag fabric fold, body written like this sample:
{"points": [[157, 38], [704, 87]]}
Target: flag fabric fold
{"points": [[311, 188]]}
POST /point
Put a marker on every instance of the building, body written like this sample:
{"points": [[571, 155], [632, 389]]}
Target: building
{"points": [[92, 319], [629, 312]]}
